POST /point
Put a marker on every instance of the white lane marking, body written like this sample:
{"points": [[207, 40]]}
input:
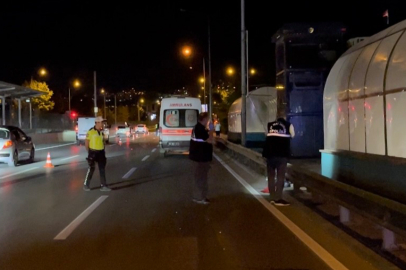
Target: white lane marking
{"points": [[18, 172], [145, 158], [69, 158], [323, 254], [153, 150], [54, 146], [76, 222], [130, 172]]}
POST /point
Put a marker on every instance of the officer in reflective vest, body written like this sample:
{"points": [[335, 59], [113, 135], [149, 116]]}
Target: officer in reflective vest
{"points": [[95, 148], [277, 153]]}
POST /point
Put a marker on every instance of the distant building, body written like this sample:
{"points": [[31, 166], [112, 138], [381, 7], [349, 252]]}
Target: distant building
{"points": [[305, 53]]}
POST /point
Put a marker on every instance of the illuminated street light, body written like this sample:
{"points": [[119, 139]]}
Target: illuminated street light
{"points": [[201, 80], [230, 71], [253, 71], [42, 72], [142, 100], [186, 51], [76, 83]]}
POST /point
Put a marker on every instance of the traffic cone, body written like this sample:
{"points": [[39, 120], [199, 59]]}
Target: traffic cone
{"points": [[265, 190], [48, 164]]}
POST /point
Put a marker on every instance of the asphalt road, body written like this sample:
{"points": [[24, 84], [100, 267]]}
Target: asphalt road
{"points": [[149, 221]]}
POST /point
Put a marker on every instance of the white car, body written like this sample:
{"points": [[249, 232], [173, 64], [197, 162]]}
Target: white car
{"points": [[123, 131], [141, 128], [15, 146]]}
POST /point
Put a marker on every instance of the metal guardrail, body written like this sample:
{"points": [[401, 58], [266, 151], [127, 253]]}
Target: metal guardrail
{"points": [[389, 214]]}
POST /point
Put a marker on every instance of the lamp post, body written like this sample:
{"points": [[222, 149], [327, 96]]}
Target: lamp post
{"points": [[138, 108], [104, 98], [76, 84]]}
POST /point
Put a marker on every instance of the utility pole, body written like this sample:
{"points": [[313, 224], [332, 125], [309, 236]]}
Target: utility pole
{"points": [[243, 78], [204, 83], [95, 96], [115, 109], [105, 114], [210, 93], [69, 99]]}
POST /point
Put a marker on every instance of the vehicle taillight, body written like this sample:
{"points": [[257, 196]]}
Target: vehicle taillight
{"points": [[7, 144]]}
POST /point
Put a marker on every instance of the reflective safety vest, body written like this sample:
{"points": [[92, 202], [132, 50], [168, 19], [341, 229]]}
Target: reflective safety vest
{"points": [[96, 139]]}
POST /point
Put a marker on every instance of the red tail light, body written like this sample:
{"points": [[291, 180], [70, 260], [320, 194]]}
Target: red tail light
{"points": [[7, 144]]}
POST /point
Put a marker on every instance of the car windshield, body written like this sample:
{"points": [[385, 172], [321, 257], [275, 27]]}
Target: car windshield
{"points": [[122, 127], [4, 134]]}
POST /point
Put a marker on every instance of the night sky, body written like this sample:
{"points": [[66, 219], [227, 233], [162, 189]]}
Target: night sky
{"points": [[136, 44]]}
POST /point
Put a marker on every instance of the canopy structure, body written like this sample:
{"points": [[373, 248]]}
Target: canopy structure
{"points": [[365, 97], [8, 90]]}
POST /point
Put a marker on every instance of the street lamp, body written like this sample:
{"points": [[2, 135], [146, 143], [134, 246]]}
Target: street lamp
{"points": [[138, 108], [186, 51], [104, 97], [203, 81], [230, 71], [253, 71], [42, 72], [76, 84]]}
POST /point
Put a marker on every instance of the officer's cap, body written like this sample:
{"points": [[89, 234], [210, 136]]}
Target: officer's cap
{"points": [[98, 119]]}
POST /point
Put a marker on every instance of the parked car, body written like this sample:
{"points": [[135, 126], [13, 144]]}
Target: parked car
{"points": [[141, 128], [123, 131], [15, 146]]}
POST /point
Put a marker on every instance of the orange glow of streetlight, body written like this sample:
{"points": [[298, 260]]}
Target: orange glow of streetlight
{"points": [[102, 91], [42, 72], [253, 71], [201, 80], [187, 51], [230, 71], [76, 83]]}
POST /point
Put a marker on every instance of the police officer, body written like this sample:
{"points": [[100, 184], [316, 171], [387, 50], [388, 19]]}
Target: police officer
{"points": [[95, 147], [277, 153], [201, 152]]}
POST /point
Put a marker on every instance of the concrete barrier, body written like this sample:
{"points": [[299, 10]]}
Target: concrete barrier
{"points": [[56, 137]]}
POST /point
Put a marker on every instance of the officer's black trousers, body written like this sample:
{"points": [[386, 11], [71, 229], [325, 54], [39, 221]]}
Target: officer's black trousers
{"points": [[98, 157]]}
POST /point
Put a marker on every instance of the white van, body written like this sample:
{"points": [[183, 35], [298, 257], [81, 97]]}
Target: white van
{"points": [[178, 116], [86, 123]]}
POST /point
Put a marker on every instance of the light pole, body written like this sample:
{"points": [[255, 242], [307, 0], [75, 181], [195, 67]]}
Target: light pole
{"points": [[104, 97], [203, 81], [115, 109], [187, 52], [76, 84], [138, 108], [243, 74]]}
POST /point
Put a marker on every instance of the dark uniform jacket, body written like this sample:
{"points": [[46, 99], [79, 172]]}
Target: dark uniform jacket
{"points": [[278, 138], [200, 150]]}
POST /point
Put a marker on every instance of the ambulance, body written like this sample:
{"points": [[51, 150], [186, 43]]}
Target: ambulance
{"points": [[178, 116]]}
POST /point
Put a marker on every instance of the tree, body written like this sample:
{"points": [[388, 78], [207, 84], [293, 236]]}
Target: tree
{"points": [[43, 102]]}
